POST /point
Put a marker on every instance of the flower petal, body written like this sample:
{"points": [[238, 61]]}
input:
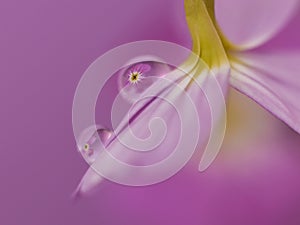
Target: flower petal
{"points": [[131, 145], [250, 23], [272, 80], [218, 115], [120, 164]]}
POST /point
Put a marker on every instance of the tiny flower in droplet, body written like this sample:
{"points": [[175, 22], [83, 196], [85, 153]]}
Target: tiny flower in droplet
{"points": [[135, 77], [86, 147]]}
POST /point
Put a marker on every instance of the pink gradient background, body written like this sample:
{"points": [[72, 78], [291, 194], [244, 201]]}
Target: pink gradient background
{"points": [[45, 46]]}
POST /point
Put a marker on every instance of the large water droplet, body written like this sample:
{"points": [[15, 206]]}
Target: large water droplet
{"points": [[132, 89]]}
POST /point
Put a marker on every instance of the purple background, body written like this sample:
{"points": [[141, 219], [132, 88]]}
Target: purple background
{"points": [[45, 46]]}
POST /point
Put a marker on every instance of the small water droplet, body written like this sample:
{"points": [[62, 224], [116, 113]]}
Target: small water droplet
{"points": [[92, 141]]}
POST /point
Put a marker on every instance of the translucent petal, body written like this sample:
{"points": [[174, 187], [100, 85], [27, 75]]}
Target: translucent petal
{"points": [[272, 80], [142, 131], [149, 117]]}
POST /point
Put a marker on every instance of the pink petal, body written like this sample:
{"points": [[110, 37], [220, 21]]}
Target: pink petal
{"points": [[91, 178], [218, 115], [273, 81], [250, 23], [141, 128]]}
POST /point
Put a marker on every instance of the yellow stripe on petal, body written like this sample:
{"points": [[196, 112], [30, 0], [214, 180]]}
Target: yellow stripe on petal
{"points": [[207, 43]]}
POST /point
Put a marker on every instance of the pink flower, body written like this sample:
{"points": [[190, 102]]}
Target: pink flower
{"points": [[222, 40]]}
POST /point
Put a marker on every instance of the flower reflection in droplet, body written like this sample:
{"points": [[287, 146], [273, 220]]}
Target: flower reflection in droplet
{"points": [[131, 79], [92, 141]]}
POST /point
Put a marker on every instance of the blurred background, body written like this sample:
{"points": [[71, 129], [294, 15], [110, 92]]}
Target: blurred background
{"points": [[45, 46]]}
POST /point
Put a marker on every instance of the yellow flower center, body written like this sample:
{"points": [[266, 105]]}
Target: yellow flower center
{"points": [[135, 77], [86, 147]]}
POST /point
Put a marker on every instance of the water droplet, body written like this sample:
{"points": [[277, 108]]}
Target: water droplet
{"points": [[92, 141], [131, 87]]}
